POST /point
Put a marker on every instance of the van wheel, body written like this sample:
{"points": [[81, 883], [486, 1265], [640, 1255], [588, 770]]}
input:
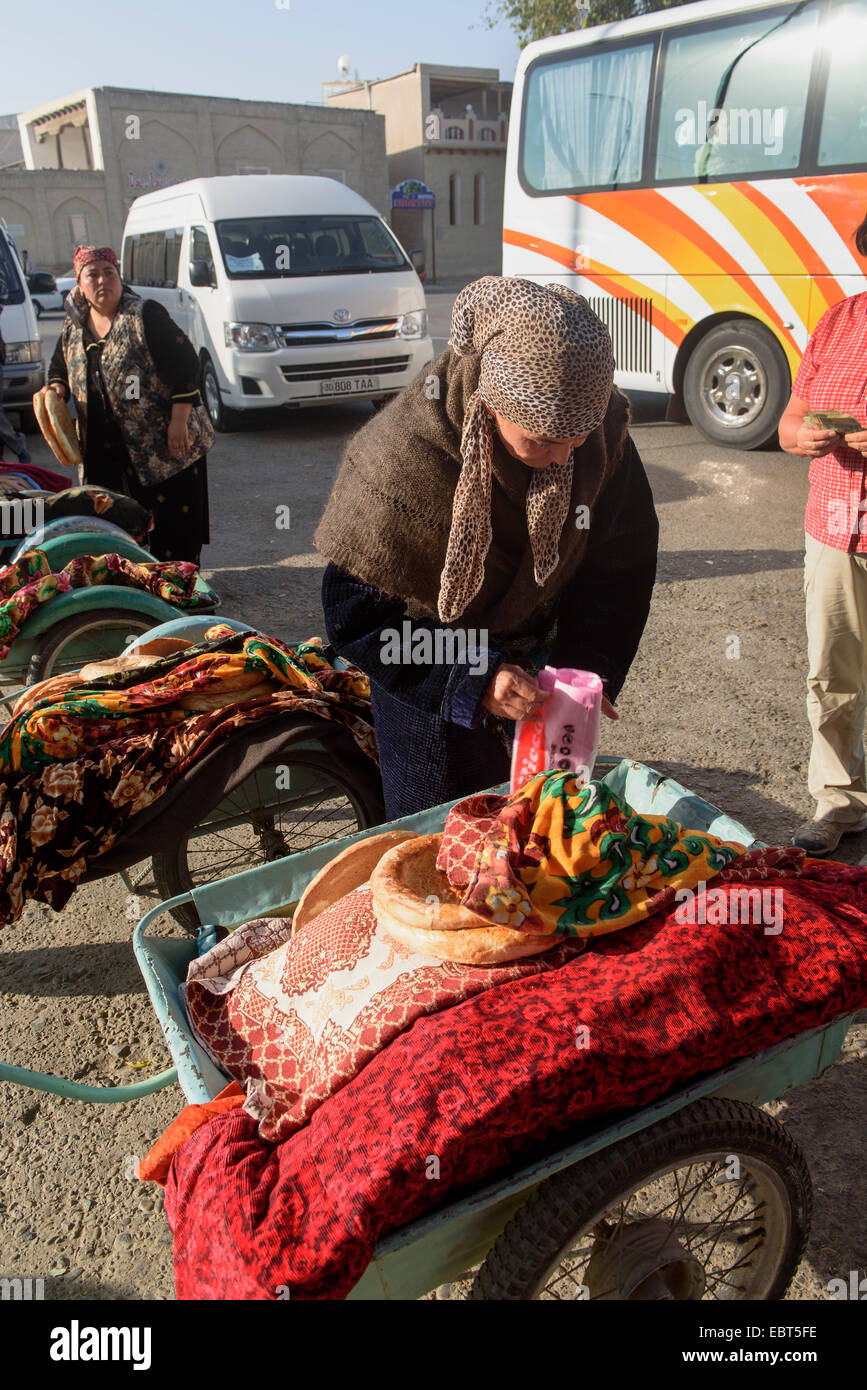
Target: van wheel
{"points": [[222, 418], [38, 308], [736, 385]]}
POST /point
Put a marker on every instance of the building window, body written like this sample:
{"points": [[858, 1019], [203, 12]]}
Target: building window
{"points": [[486, 133], [78, 229], [454, 200], [454, 132], [479, 200]]}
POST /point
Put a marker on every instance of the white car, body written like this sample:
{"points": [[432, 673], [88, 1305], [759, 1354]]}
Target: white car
{"points": [[45, 292]]}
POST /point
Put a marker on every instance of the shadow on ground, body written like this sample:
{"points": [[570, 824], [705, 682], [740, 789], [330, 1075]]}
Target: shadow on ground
{"points": [[721, 564], [96, 970]]}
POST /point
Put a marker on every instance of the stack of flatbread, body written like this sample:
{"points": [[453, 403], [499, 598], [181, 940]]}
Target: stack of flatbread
{"points": [[414, 902]]}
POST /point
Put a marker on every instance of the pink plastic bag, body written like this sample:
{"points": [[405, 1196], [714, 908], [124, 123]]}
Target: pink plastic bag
{"points": [[564, 736]]}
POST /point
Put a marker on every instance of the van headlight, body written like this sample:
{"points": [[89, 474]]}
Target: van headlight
{"points": [[17, 353], [413, 325], [250, 337]]}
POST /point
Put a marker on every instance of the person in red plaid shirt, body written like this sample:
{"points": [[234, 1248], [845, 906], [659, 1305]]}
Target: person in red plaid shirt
{"points": [[833, 376]]}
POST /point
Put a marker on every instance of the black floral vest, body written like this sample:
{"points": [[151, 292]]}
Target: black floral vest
{"points": [[140, 400]]}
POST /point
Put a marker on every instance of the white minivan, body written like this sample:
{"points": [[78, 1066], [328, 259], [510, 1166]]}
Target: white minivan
{"points": [[291, 288], [24, 372]]}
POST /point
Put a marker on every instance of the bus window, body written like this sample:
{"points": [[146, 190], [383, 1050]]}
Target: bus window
{"points": [[733, 97], [585, 120], [844, 124]]}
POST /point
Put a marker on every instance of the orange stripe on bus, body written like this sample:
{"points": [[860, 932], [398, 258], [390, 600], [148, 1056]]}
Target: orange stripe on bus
{"points": [[630, 209], [606, 277], [803, 249]]}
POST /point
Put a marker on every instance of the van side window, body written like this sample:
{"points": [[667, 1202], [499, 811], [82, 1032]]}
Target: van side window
{"points": [[200, 248], [174, 238], [129, 259], [11, 283], [147, 259]]}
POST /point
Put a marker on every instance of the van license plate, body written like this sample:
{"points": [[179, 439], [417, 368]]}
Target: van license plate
{"points": [[348, 385]]}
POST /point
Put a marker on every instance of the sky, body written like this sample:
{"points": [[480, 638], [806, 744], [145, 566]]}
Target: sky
{"points": [[267, 50]]}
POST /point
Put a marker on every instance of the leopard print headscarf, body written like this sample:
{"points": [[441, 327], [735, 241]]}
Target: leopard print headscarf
{"points": [[546, 365]]}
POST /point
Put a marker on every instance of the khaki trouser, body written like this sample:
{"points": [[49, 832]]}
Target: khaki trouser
{"points": [[835, 586]]}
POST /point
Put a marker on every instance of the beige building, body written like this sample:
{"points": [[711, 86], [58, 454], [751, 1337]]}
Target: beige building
{"points": [[89, 155], [445, 127]]}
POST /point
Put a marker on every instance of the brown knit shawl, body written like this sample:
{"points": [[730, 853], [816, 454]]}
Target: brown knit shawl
{"points": [[389, 515]]}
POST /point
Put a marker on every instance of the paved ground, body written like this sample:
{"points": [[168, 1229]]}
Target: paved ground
{"points": [[731, 728]]}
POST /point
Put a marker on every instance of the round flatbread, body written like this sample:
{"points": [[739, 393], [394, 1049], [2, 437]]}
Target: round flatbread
{"points": [[224, 695], [472, 946], [95, 670], [159, 646], [416, 905], [345, 872], [63, 429], [58, 431], [409, 888], [54, 688]]}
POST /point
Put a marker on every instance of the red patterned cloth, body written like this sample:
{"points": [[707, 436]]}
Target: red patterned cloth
{"points": [[833, 376], [490, 1084], [296, 1018], [85, 255], [467, 825]]}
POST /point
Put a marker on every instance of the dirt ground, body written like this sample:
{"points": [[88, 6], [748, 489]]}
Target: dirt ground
{"points": [[732, 728]]}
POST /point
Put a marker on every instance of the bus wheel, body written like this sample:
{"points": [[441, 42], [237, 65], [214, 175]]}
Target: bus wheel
{"points": [[737, 385]]}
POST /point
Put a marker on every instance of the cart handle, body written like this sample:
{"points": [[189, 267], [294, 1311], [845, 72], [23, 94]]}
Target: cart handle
{"points": [[75, 1090]]}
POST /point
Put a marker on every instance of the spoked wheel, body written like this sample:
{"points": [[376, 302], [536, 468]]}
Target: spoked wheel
{"points": [[712, 1203], [301, 800], [86, 637]]}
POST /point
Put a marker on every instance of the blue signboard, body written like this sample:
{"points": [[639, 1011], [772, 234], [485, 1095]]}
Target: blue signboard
{"points": [[413, 194]]}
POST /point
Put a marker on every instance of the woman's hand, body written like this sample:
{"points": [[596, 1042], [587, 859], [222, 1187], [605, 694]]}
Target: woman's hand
{"points": [[857, 440], [513, 694], [56, 387], [177, 436]]}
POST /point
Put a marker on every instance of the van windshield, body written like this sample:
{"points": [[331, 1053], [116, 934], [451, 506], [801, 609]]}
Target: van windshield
{"points": [[11, 288], [265, 248]]}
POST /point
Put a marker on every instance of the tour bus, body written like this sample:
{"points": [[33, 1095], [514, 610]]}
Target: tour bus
{"points": [[697, 174], [291, 288], [24, 372]]}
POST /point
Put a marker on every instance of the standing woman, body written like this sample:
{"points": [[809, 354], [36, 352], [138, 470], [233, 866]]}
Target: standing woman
{"points": [[493, 519], [833, 376], [142, 427]]}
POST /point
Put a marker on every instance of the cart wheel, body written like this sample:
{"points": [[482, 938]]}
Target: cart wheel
{"points": [[85, 637], [300, 800], [712, 1203]]}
